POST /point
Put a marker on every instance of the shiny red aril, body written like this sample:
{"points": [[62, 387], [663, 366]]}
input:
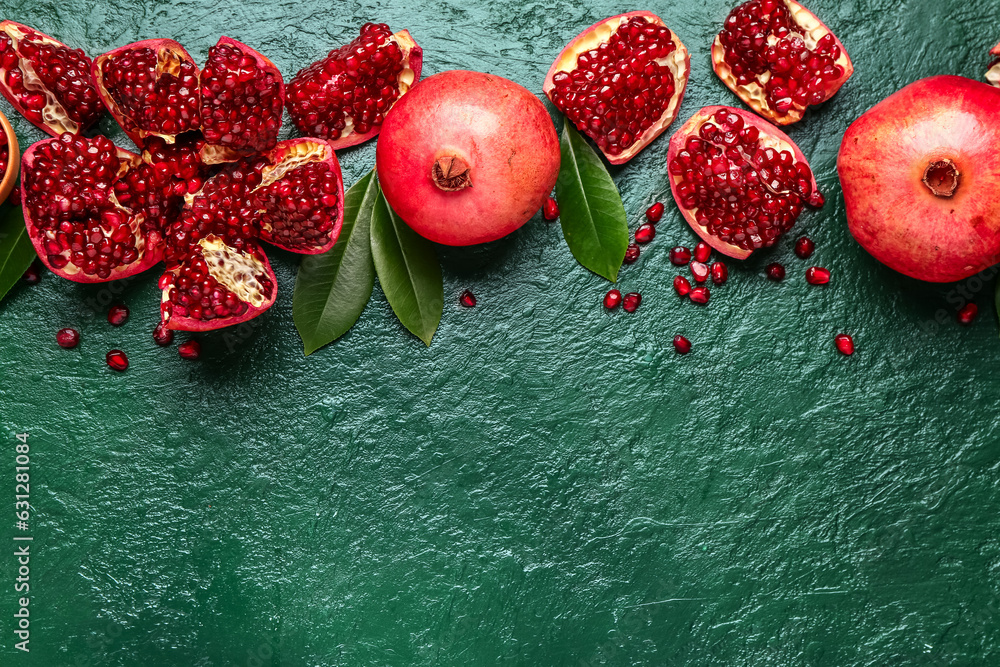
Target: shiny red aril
{"points": [[631, 301], [189, 349], [117, 360], [612, 299], [655, 212], [968, 313], [720, 274], [467, 299], [682, 344], [163, 336], [117, 315], [550, 209], [645, 233], [68, 338], [844, 343], [682, 285], [804, 247], [679, 256], [817, 275], [631, 253], [699, 271], [702, 252], [699, 295], [774, 271]]}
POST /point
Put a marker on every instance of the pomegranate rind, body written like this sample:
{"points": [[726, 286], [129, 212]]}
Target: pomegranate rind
{"points": [[150, 248], [882, 162], [769, 136], [993, 74], [754, 95], [56, 120], [679, 63]]}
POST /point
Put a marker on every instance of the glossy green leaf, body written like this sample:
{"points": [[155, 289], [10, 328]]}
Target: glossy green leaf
{"points": [[332, 289], [590, 208], [16, 251], [408, 271]]}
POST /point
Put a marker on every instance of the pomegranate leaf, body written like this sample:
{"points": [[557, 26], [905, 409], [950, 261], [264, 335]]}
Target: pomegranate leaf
{"points": [[408, 271], [16, 251], [590, 208], [332, 289]]}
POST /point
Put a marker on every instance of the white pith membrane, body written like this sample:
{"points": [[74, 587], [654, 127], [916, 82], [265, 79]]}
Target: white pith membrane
{"points": [[53, 114], [235, 270], [406, 77], [811, 30]]}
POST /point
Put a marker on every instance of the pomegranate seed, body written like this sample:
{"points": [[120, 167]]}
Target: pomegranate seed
{"points": [[190, 349], [844, 343], [699, 271], [804, 247], [968, 313], [654, 212], [631, 302], [163, 336], [720, 273], [645, 233], [117, 315], [117, 360], [682, 344], [682, 286], [680, 256], [612, 299], [817, 275], [631, 254], [700, 295], [68, 338], [32, 276], [550, 210], [775, 271], [467, 299], [702, 252]]}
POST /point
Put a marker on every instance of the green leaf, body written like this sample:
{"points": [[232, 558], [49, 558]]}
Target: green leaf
{"points": [[590, 208], [408, 271], [16, 251], [332, 289]]}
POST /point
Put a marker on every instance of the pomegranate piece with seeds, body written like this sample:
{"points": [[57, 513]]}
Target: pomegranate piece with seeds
{"points": [[344, 97], [621, 82], [779, 58], [46, 81], [993, 74], [68, 338], [612, 299], [682, 344], [844, 343], [117, 360], [739, 181]]}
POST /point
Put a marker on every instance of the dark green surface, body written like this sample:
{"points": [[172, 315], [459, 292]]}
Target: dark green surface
{"points": [[546, 484]]}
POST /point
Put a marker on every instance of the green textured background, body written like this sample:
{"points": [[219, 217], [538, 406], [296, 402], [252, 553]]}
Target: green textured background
{"points": [[547, 484]]}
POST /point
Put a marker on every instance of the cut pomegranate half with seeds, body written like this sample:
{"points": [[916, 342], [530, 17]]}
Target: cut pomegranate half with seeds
{"points": [[344, 97], [779, 58], [46, 81], [739, 181], [993, 75], [621, 82]]}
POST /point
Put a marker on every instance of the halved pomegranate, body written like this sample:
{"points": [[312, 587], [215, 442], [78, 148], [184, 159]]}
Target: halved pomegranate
{"points": [[621, 81], [46, 81], [993, 74], [779, 58], [739, 181], [344, 97], [78, 225]]}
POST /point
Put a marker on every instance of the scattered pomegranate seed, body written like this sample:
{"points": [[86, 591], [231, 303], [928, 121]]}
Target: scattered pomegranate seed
{"points": [[117, 315], [682, 344], [631, 302], [774, 271], [968, 313], [700, 295], [682, 286], [117, 360], [190, 349], [14, 199], [550, 210], [720, 273], [699, 271], [844, 343], [68, 338], [632, 253], [817, 275], [645, 233], [702, 252], [804, 247], [680, 256], [163, 336], [467, 299], [654, 212], [612, 299], [32, 276]]}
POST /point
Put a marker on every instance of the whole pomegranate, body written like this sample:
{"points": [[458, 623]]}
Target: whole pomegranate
{"points": [[467, 158], [920, 172]]}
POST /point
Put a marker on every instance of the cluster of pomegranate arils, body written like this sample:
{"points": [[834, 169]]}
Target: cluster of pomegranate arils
{"points": [[210, 180]]}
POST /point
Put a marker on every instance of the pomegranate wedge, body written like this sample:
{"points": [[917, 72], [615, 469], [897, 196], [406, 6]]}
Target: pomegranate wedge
{"points": [[739, 181], [621, 82], [779, 58]]}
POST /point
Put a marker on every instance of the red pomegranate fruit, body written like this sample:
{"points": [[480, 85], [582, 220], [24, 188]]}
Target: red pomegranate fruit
{"points": [[993, 74], [621, 82], [779, 58], [46, 81], [739, 181], [467, 158], [920, 172], [344, 97]]}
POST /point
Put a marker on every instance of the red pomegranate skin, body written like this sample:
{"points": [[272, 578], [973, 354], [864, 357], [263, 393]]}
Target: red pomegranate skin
{"points": [[884, 157], [495, 127]]}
